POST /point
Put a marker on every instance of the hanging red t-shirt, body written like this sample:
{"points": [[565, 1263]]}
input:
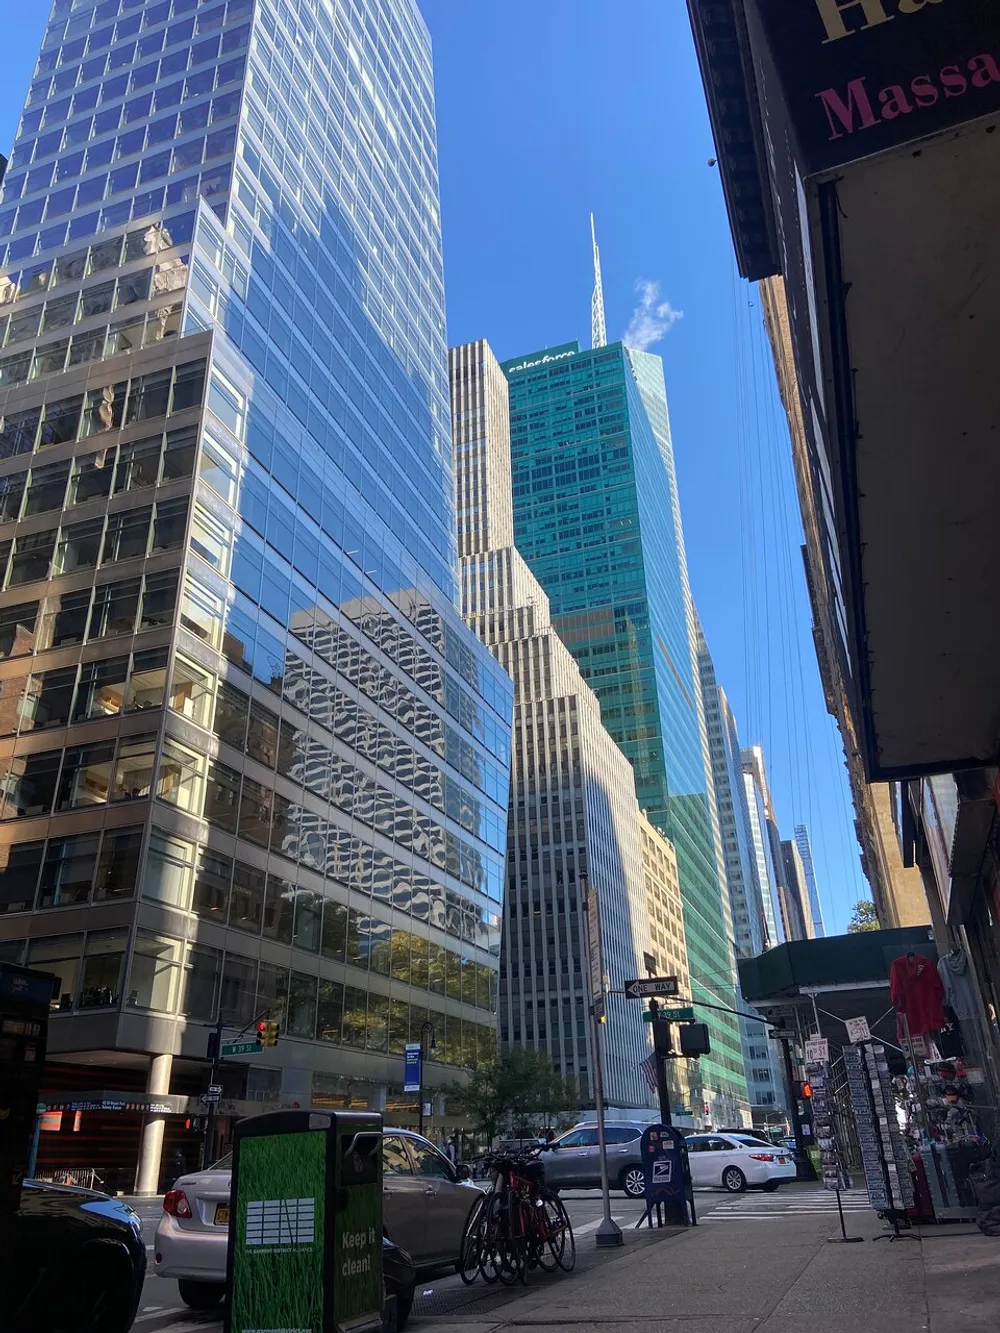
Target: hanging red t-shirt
{"points": [[917, 992]]}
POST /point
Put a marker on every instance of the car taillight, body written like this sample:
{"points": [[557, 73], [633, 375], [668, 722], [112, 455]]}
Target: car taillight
{"points": [[754, 1156], [175, 1202]]}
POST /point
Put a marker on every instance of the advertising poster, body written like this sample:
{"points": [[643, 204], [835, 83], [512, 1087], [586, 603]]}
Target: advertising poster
{"points": [[357, 1232], [279, 1234]]}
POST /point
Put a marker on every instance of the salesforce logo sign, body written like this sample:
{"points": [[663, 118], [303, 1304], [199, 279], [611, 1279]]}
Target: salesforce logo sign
{"points": [[542, 361]]}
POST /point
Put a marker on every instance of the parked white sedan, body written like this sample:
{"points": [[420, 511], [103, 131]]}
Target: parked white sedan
{"points": [[737, 1162]]}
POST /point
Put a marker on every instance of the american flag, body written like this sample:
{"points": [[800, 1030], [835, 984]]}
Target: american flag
{"points": [[648, 1068]]}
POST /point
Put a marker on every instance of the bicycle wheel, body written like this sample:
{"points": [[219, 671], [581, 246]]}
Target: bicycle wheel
{"points": [[471, 1249], [553, 1236], [513, 1259], [562, 1243], [493, 1243]]}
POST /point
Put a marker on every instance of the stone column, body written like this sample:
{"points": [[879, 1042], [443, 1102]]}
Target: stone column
{"points": [[151, 1144]]}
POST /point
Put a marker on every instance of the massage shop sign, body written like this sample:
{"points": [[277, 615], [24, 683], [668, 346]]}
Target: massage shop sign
{"points": [[861, 76]]}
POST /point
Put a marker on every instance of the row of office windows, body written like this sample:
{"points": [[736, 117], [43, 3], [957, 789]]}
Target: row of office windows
{"points": [[100, 971], [128, 534], [62, 419], [136, 465]]}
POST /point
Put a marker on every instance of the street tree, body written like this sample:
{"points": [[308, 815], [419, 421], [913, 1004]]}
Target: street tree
{"points": [[864, 918]]}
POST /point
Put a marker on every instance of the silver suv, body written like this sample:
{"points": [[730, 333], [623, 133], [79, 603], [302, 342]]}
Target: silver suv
{"points": [[573, 1161]]}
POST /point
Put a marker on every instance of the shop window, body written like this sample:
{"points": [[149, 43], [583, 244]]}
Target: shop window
{"points": [[86, 776], [68, 871], [30, 785], [134, 769], [180, 780], [118, 866], [101, 690], [167, 874], [61, 955], [147, 681], [213, 876], [154, 976], [103, 965], [19, 867], [200, 993]]}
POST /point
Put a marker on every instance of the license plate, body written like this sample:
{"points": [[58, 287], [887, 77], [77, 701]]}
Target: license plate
{"points": [[781, 1160], [222, 1214]]}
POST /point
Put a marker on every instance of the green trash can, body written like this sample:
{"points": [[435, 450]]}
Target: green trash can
{"points": [[305, 1233]]}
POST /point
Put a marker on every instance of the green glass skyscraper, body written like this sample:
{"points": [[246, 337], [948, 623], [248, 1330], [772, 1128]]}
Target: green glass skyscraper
{"points": [[596, 517]]}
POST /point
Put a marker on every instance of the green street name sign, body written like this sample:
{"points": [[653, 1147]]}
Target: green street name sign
{"points": [[671, 1015], [239, 1048]]}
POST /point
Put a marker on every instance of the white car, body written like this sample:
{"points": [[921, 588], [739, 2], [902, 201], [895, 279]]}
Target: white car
{"points": [[737, 1162], [426, 1202]]}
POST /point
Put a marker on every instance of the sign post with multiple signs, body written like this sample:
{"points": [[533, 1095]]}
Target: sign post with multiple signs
{"points": [[609, 1233]]}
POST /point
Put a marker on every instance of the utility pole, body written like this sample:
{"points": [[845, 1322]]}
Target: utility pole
{"points": [[804, 1169], [609, 1233], [662, 1051], [215, 1051]]}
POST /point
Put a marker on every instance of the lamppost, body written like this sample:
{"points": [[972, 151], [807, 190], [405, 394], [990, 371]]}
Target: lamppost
{"points": [[424, 1048]]}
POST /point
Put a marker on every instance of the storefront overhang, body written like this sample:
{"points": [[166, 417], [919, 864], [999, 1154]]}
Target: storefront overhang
{"points": [[832, 980], [880, 122]]}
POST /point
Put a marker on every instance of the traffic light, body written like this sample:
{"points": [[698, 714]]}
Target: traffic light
{"points": [[267, 1032]]}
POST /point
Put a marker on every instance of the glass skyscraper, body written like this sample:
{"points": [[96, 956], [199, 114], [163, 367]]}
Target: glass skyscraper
{"points": [[596, 517], [252, 759]]}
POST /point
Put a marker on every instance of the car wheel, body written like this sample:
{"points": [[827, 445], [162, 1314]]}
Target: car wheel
{"points": [[770, 1186], [632, 1182], [102, 1292], [734, 1180], [200, 1295]]}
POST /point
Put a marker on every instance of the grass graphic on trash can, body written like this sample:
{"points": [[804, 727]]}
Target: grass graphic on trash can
{"points": [[278, 1255]]}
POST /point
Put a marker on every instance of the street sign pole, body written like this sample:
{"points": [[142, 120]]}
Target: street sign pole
{"points": [[661, 1028], [609, 1233], [215, 1041]]}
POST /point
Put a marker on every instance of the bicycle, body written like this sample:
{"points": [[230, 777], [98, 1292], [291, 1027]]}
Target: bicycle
{"points": [[518, 1225]]}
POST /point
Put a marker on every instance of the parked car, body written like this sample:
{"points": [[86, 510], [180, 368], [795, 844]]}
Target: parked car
{"points": [[737, 1162], [78, 1265], [514, 1147], [426, 1202], [573, 1160]]}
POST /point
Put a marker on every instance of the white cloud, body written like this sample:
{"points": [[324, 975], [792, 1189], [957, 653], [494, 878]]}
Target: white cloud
{"points": [[652, 319]]}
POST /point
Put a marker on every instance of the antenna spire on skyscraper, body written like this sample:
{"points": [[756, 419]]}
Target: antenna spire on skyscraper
{"points": [[598, 330]]}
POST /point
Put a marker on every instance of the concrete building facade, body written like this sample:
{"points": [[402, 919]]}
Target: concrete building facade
{"points": [[574, 820]]}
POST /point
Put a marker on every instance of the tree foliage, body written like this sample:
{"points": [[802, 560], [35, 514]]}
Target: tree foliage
{"points": [[864, 918], [520, 1094]]}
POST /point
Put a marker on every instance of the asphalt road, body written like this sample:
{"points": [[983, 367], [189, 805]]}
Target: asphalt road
{"points": [[162, 1309]]}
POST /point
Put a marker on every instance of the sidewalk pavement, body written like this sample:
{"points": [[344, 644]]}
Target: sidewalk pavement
{"points": [[766, 1271]]}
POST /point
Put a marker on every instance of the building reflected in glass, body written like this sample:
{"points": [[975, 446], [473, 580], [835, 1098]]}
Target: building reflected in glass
{"points": [[251, 757]]}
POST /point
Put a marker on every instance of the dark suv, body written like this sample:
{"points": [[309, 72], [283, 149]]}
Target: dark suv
{"points": [[573, 1161]]}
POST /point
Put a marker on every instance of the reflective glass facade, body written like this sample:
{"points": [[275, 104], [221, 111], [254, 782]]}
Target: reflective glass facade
{"points": [[596, 517], [242, 719]]}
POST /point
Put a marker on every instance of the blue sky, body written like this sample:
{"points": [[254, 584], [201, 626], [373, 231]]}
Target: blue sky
{"points": [[548, 109]]}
